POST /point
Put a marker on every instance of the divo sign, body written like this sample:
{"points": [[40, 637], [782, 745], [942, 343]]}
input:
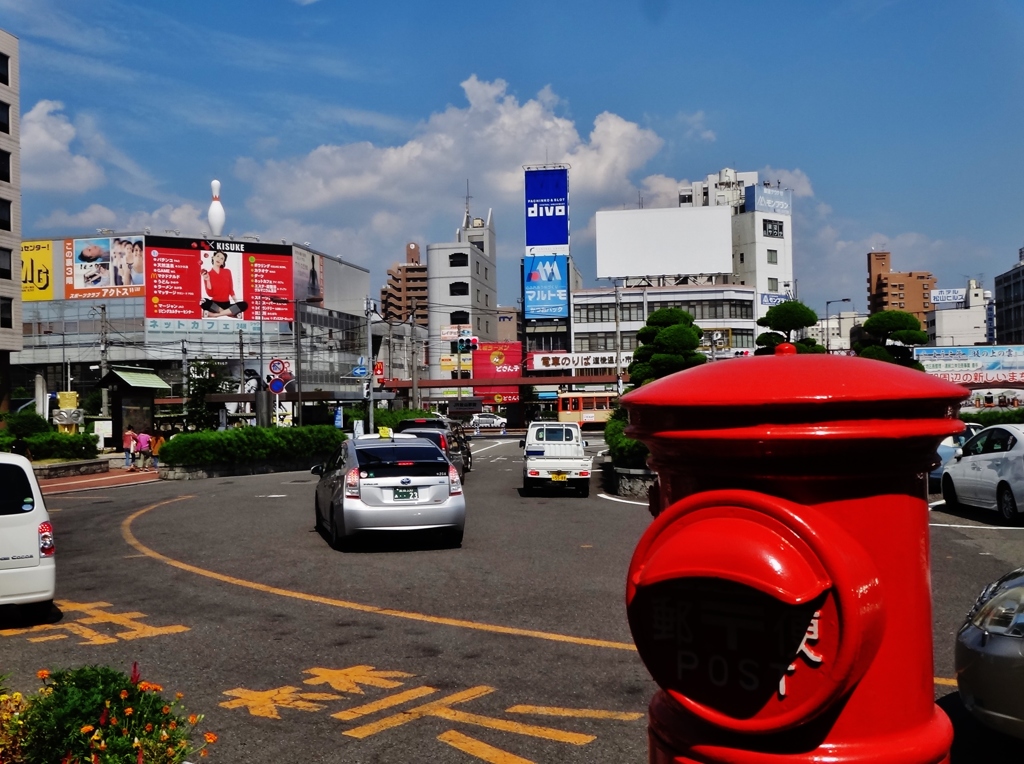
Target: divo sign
{"points": [[547, 206]]}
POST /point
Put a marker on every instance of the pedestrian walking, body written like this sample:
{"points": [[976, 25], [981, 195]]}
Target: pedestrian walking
{"points": [[128, 441], [155, 446], [144, 443]]}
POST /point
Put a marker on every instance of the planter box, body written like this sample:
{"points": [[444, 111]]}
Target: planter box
{"points": [[187, 472], [634, 483], [71, 469]]}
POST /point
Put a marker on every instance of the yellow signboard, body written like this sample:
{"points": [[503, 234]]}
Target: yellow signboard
{"points": [[36, 271]]}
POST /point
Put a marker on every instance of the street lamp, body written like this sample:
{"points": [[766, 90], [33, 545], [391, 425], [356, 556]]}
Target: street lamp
{"points": [[297, 331], [828, 326], [63, 355]]}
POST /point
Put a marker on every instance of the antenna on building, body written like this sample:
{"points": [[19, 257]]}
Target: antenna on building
{"points": [[468, 197]]}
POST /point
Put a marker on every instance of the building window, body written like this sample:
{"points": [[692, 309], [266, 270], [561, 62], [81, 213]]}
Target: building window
{"points": [[459, 317], [772, 229], [487, 300], [478, 323], [741, 257], [6, 312], [458, 260], [486, 274], [5, 69], [773, 257], [477, 267], [458, 288], [773, 285], [5, 117], [5, 263], [477, 295], [487, 326], [5, 215]]}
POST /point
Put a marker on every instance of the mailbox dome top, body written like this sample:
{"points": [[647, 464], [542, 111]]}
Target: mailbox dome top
{"points": [[790, 380]]}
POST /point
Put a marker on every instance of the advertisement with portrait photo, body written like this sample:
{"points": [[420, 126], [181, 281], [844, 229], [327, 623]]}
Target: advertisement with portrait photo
{"points": [[104, 267]]}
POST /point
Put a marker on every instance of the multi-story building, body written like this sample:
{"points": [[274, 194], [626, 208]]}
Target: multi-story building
{"points": [[965, 321], [909, 291], [405, 294], [730, 229], [1010, 304], [10, 212], [833, 332], [510, 323], [462, 282]]}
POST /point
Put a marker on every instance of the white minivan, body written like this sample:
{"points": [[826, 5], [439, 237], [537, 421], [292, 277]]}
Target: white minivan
{"points": [[27, 567]]}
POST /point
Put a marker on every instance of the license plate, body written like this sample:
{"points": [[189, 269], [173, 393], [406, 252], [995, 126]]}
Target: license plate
{"points": [[406, 494], [558, 477]]}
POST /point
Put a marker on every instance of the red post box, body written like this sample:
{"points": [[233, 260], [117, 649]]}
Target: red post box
{"points": [[781, 598]]}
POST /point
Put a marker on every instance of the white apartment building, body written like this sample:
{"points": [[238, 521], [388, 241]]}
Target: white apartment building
{"points": [[834, 331], [462, 289], [10, 210], [967, 325]]}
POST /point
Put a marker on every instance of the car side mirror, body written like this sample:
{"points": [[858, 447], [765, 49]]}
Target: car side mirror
{"points": [[522, 444], [467, 438], [317, 469], [958, 453], [585, 444]]}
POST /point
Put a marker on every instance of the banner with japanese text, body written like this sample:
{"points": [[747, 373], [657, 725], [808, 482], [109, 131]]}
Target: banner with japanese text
{"points": [[104, 267], [494, 360], [36, 271]]}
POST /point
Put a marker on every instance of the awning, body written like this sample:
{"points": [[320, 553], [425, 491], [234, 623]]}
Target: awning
{"points": [[135, 377]]}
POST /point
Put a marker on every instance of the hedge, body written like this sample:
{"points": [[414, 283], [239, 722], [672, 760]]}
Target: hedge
{"points": [[988, 418], [250, 444], [57, 445], [625, 452]]}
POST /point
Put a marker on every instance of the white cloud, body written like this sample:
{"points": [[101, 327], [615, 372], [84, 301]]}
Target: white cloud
{"points": [[796, 180], [93, 216], [48, 163], [185, 218], [696, 126]]}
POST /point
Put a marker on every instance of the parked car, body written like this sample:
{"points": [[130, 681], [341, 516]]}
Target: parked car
{"points": [[396, 483], [945, 452], [28, 572], [553, 456], [487, 419], [458, 433], [446, 441], [988, 471], [989, 656]]}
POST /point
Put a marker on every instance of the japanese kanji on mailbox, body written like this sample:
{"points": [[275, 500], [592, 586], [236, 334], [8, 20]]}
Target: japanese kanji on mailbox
{"points": [[781, 597]]}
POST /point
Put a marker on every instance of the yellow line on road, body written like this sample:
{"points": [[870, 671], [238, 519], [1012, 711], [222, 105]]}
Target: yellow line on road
{"points": [[945, 682], [130, 538], [577, 713], [479, 749]]}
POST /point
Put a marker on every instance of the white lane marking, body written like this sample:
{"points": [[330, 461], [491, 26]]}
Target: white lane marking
{"points": [[487, 448], [272, 496], [624, 501], [978, 527]]}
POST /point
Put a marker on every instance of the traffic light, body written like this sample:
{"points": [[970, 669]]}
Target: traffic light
{"points": [[473, 343], [463, 344], [366, 389]]}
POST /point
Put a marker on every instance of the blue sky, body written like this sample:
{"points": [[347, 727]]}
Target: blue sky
{"points": [[355, 126]]}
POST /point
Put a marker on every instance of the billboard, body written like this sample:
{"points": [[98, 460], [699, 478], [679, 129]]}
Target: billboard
{"points": [[567, 361], [771, 299], [104, 267], [495, 360], [664, 241], [778, 201], [220, 280], [947, 296], [974, 364], [545, 286], [307, 276], [547, 207], [36, 271]]}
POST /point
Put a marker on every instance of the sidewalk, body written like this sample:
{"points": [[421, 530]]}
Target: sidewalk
{"points": [[117, 476]]}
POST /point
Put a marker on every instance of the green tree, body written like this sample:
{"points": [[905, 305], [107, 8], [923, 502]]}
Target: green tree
{"points": [[784, 319], [668, 343], [890, 336], [206, 377]]}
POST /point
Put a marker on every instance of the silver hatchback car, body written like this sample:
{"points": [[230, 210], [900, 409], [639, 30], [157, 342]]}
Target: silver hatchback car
{"points": [[378, 483]]}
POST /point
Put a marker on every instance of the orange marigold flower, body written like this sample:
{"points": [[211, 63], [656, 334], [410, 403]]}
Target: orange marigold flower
{"points": [[173, 725], [165, 710], [156, 687], [192, 719], [179, 695], [128, 711], [149, 728], [113, 721], [144, 686], [124, 694], [87, 729], [204, 753], [210, 737], [43, 674]]}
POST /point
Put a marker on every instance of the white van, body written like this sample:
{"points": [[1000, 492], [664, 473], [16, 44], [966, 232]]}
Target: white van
{"points": [[553, 456], [28, 572]]}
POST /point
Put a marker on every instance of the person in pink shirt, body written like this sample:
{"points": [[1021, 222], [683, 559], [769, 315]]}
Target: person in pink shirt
{"points": [[145, 441], [128, 443]]}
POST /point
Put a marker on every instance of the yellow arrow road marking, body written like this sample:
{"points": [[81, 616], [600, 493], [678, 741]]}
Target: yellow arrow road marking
{"points": [[480, 749], [265, 703], [348, 680]]}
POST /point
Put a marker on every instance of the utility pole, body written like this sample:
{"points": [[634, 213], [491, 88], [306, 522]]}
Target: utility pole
{"points": [[369, 362], [297, 331], [618, 340], [184, 374], [414, 366], [241, 362], [104, 392]]}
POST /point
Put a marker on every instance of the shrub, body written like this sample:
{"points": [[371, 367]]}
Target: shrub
{"points": [[625, 452], [989, 418], [250, 444], [57, 445], [25, 423], [97, 714]]}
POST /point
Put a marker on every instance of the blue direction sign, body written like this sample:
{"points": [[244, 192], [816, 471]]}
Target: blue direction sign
{"points": [[277, 385], [360, 371]]}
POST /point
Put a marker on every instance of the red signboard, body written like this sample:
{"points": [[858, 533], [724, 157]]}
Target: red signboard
{"points": [[198, 278], [495, 360]]}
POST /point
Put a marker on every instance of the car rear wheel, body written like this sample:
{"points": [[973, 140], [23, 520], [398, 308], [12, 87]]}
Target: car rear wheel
{"points": [[318, 523], [949, 492], [454, 537], [338, 539], [528, 485], [1007, 504], [583, 488]]}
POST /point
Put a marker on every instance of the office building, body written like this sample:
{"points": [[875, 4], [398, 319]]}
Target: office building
{"points": [[960, 316], [909, 291], [10, 211], [1009, 301], [404, 297]]}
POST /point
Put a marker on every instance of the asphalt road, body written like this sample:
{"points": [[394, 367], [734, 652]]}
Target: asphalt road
{"points": [[515, 645]]}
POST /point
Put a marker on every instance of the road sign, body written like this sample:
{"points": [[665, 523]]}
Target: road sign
{"points": [[359, 371], [277, 366], [276, 385]]}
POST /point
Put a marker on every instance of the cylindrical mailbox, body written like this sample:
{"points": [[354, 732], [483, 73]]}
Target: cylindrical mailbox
{"points": [[781, 598]]}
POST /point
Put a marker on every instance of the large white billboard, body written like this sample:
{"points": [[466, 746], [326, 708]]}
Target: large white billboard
{"points": [[664, 242]]}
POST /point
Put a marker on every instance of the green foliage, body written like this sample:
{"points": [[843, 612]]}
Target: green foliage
{"points": [[97, 711], [909, 337], [625, 452], [92, 402], [250, 444], [206, 377], [989, 418], [770, 340], [25, 423], [669, 344], [385, 418], [877, 353], [890, 336], [57, 445], [883, 324], [787, 317]]}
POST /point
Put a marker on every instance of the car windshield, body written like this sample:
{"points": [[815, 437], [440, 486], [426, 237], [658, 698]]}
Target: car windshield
{"points": [[16, 497], [410, 424], [406, 459], [434, 436], [555, 434]]}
